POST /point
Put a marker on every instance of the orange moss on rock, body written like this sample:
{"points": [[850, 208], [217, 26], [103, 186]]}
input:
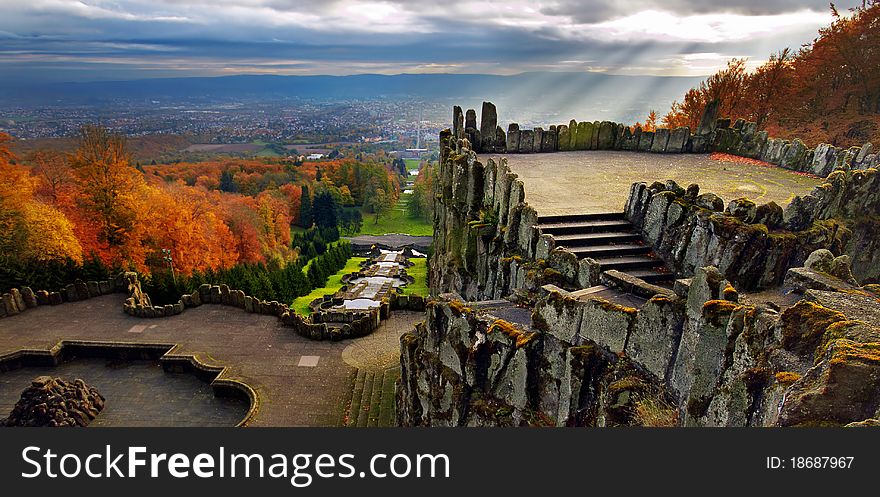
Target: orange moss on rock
{"points": [[848, 351], [787, 377], [520, 337], [805, 323]]}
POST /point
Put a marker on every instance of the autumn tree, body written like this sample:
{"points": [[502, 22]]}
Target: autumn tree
{"points": [[109, 188], [54, 172], [30, 231], [377, 201]]}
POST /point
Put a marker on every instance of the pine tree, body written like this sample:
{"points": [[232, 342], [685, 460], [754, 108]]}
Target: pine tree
{"points": [[305, 209]]}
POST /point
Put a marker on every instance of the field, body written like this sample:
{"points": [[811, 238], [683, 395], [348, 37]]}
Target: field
{"points": [[334, 283], [397, 220], [419, 271], [412, 164]]}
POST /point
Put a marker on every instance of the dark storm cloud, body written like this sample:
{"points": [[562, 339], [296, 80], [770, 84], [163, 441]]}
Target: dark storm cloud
{"points": [[137, 38]]}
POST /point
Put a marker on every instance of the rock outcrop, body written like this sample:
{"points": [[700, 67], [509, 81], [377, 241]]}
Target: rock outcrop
{"points": [[56, 402], [486, 243], [749, 243], [695, 357]]}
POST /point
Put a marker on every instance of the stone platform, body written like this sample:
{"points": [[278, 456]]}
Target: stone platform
{"points": [[588, 182], [298, 382]]}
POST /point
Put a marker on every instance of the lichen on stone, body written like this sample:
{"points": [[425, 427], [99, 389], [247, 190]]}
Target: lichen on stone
{"points": [[521, 338]]}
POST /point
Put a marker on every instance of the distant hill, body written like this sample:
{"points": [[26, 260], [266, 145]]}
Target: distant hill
{"points": [[522, 96]]}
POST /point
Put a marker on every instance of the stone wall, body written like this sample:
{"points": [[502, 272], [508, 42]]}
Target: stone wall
{"points": [[750, 244], [695, 357], [18, 300], [712, 135], [316, 327], [486, 244], [754, 245]]}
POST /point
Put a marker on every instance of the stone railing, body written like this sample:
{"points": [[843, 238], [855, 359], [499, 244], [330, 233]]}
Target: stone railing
{"points": [[18, 300], [747, 242], [317, 326], [754, 245], [712, 135]]}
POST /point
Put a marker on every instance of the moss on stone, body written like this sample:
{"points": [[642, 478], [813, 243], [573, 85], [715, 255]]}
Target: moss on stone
{"points": [[631, 383], [612, 307], [787, 377], [520, 337], [459, 307], [849, 351], [718, 312], [804, 324], [730, 293]]}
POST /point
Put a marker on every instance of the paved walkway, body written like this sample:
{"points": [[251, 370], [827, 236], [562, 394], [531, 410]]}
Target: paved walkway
{"points": [[300, 382], [587, 182]]}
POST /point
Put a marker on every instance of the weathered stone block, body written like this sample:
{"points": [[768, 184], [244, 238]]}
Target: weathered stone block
{"points": [[28, 297], [661, 140], [607, 323]]}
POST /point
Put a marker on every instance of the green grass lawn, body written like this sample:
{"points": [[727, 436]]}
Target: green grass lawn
{"points": [[419, 271], [412, 164], [396, 220], [334, 283]]}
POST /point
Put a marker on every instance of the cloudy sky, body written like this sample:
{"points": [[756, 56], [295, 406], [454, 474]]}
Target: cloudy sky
{"points": [[50, 40]]}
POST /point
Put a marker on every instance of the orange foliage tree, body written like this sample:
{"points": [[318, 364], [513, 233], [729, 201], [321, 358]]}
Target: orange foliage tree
{"points": [[828, 91]]}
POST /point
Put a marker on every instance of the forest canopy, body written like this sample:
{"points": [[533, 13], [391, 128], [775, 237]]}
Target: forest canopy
{"points": [[827, 91]]}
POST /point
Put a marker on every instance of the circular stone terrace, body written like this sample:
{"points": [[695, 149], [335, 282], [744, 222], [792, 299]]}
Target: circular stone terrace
{"points": [[589, 182]]}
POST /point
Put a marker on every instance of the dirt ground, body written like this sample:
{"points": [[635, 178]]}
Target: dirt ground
{"points": [[587, 182]]}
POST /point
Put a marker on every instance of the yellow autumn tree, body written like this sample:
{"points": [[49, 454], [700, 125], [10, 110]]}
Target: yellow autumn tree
{"points": [[29, 229]]}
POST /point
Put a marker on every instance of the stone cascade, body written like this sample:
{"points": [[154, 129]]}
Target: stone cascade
{"points": [[608, 240], [695, 356], [375, 288], [712, 135], [754, 245], [354, 324]]}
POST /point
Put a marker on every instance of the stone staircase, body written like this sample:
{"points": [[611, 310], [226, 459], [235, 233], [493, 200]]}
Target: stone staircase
{"points": [[611, 240], [370, 402]]}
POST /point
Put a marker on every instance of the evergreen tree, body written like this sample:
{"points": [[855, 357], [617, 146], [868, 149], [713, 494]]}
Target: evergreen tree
{"points": [[325, 210], [305, 209], [227, 183]]}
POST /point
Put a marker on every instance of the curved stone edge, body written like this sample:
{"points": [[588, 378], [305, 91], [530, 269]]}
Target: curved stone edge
{"points": [[55, 355], [724, 135]]}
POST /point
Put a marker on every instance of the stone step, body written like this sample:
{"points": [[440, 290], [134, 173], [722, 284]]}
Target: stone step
{"points": [[593, 239], [581, 217], [387, 407], [618, 249], [628, 283], [628, 262], [354, 407], [345, 412], [375, 400], [598, 226], [653, 275], [366, 399]]}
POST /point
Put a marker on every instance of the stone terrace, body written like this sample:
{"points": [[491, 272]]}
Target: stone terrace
{"points": [[587, 182], [299, 382]]}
